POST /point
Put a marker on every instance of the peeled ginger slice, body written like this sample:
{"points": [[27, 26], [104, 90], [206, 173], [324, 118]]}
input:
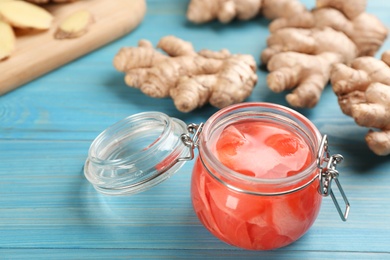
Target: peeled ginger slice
{"points": [[74, 25], [24, 15], [7, 40]]}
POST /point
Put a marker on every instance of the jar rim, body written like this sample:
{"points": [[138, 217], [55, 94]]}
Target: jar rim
{"points": [[226, 172]]}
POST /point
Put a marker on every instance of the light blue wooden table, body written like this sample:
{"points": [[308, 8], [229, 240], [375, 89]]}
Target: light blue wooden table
{"points": [[49, 210]]}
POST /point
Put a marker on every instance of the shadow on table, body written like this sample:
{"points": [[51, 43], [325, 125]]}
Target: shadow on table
{"points": [[360, 158]]}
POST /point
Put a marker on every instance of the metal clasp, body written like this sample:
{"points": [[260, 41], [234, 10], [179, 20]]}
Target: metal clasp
{"points": [[327, 165], [191, 142]]}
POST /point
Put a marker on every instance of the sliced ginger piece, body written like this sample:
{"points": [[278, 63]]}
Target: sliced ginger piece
{"points": [[49, 1], [24, 15], [7, 40], [74, 25]]}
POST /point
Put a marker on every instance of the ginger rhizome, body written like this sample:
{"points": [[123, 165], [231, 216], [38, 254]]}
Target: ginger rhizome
{"points": [[295, 61], [363, 92], [335, 26], [309, 41], [201, 11], [338, 26], [190, 78], [365, 30], [305, 74], [351, 9]]}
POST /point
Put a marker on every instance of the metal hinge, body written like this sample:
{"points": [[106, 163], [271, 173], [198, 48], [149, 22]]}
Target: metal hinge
{"points": [[327, 164], [191, 141]]}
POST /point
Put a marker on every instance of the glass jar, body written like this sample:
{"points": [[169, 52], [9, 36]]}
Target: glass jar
{"points": [[268, 202]]}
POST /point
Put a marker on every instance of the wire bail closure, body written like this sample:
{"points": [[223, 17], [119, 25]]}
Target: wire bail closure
{"points": [[327, 164], [191, 142]]}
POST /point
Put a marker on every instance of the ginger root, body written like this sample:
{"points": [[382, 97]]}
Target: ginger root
{"points": [[322, 30], [201, 11], [365, 30], [273, 9], [363, 92], [308, 74], [190, 78], [351, 10], [309, 41]]}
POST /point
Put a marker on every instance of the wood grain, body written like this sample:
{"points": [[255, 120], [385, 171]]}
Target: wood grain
{"points": [[39, 53]]}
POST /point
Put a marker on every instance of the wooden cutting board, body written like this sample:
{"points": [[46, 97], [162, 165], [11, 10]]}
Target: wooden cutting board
{"points": [[39, 53]]}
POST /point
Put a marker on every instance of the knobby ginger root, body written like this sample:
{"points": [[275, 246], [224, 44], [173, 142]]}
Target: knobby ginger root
{"points": [[365, 30], [24, 15], [309, 41], [363, 92], [325, 29], [7, 40], [201, 11], [74, 25], [273, 9], [190, 78], [351, 9], [308, 74], [338, 26]]}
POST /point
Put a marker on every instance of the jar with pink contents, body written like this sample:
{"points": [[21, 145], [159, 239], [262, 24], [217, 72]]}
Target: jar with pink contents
{"points": [[257, 182]]}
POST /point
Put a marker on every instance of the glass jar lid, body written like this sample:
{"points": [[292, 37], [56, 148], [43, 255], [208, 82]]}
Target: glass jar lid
{"points": [[136, 153]]}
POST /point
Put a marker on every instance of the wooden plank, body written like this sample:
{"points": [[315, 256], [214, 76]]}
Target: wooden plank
{"points": [[49, 210], [39, 53], [184, 254], [45, 201]]}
